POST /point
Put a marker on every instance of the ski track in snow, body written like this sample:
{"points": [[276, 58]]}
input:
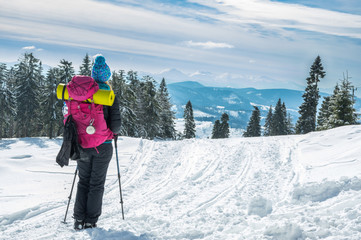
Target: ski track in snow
{"points": [[284, 188]]}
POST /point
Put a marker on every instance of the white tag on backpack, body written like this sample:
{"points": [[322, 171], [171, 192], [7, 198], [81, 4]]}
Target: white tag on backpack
{"points": [[90, 129]]}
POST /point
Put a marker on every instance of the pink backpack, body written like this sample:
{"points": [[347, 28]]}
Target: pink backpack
{"points": [[89, 117]]}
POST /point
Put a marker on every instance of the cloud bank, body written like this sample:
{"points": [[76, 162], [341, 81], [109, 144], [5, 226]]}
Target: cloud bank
{"points": [[241, 37]]}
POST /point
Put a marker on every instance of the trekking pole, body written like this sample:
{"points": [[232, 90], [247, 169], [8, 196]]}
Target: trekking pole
{"points": [[120, 186], [71, 193]]}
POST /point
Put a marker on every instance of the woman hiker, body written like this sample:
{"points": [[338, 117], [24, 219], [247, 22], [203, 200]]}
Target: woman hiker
{"points": [[96, 146]]}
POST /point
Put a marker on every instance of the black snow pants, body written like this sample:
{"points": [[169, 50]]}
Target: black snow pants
{"points": [[92, 166]]}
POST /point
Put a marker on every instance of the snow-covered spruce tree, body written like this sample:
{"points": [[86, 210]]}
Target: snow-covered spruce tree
{"points": [[133, 94], [343, 112], [190, 126], [254, 127], [167, 116], [288, 120], [289, 125], [268, 123], [51, 105], [66, 71], [216, 129], [117, 81], [125, 97], [224, 127], [10, 99], [324, 114], [3, 103], [149, 109], [308, 109], [332, 118], [41, 130], [28, 77], [7, 102], [279, 119], [86, 67], [3, 76], [221, 128]]}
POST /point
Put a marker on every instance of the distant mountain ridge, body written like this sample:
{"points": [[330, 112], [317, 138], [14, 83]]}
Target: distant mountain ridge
{"points": [[209, 103]]}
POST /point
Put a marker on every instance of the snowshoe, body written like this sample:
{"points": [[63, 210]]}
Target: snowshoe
{"points": [[78, 224], [90, 225]]}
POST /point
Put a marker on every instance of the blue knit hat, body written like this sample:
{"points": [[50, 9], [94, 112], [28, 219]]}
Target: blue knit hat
{"points": [[101, 71]]}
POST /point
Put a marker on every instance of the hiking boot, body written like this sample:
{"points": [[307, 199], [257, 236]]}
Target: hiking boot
{"points": [[78, 224], [90, 225]]}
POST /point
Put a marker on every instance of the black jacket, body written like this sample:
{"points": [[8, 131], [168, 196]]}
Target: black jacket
{"points": [[70, 147], [112, 116]]}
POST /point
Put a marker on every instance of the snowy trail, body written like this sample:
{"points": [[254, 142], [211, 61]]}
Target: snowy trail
{"points": [[290, 187]]}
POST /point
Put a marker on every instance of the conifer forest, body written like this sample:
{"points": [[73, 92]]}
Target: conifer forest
{"points": [[30, 108]]}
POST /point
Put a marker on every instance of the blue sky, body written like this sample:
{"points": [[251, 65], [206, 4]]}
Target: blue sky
{"points": [[235, 43]]}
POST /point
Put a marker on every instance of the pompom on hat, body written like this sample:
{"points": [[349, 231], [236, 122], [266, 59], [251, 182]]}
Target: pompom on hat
{"points": [[101, 71]]}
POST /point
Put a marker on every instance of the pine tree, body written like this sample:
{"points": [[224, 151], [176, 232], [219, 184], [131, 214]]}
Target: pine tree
{"points": [[133, 94], [285, 119], [190, 126], [268, 123], [66, 71], [7, 102], [41, 121], [221, 128], [289, 125], [224, 127], [254, 127], [3, 76], [125, 98], [308, 109], [324, 114], [149, 109], [86, 67], [28, 76], [117, 81], [332, 118], [343, 112], [133, 79], [167, 116], [3, 103], [10, 107], [216, 129], [279, 119], [51, 105]]}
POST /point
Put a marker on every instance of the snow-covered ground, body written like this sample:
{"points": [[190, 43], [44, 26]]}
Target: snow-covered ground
{"points": [[290, 187]]}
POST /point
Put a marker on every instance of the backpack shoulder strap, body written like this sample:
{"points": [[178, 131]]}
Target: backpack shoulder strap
{"points": [[63, 94]]}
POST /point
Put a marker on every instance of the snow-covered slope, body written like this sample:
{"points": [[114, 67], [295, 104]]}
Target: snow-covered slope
{"points": [[290, 187]]}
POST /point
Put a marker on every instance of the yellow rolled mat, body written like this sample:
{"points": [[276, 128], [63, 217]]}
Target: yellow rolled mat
{"points": [[103, 97]]}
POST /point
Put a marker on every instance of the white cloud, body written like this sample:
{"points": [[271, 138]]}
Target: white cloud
{"points": [[126, 29], [29, 48], [32, 48], [277, 15], [208, 45]]}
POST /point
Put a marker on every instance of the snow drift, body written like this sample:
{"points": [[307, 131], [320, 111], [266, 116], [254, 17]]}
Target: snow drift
{"points": [[289, 187]]}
